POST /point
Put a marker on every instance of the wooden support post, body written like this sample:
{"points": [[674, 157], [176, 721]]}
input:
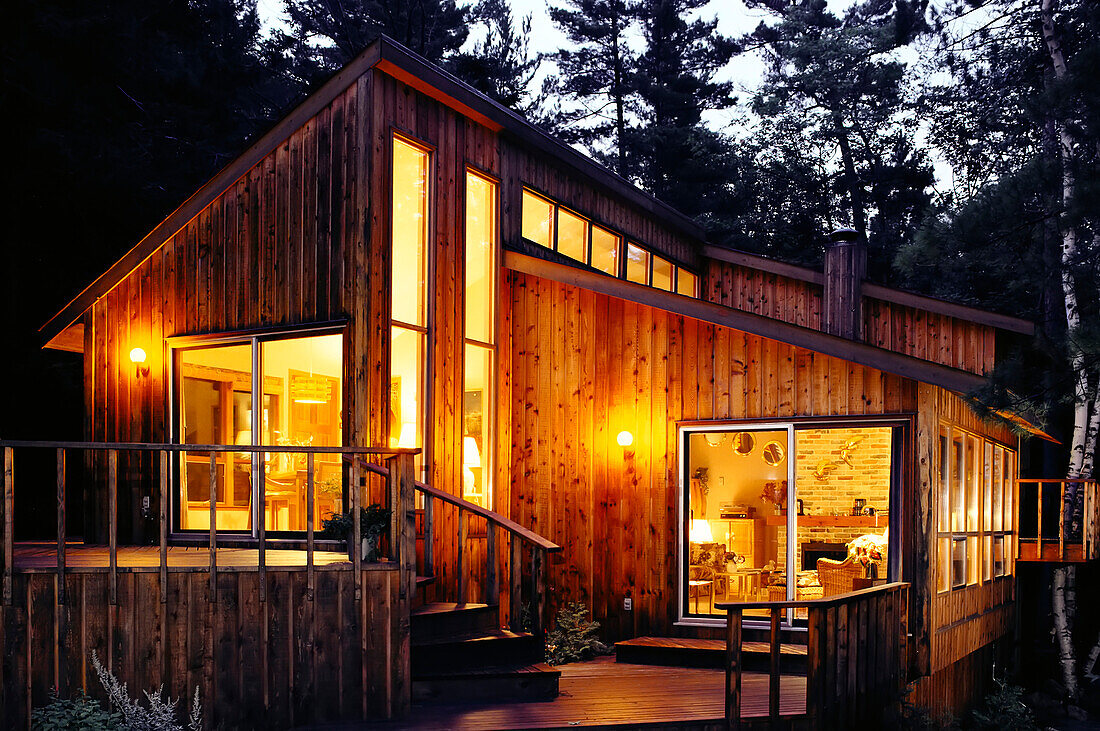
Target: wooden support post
{"points": [[492, 585], [60, 526], [733, 668], [429, 536], [460, 569], [309, 526], [261, 533], [214, 524], [815, 677], [356, 531], [1063, 521], [163, 526], [515, 583], [538, 592], [9, 506], [401, 474], [1039, 520], [112, 524], [773, 676]]}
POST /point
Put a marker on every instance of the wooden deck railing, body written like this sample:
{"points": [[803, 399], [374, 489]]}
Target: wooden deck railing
{"points": [[855, 661], [313, 651], [537, 549], [1057, 505]]}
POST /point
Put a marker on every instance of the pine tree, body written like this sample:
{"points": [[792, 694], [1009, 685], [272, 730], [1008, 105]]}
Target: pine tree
{"points": [[501, 65], [596, 75]]}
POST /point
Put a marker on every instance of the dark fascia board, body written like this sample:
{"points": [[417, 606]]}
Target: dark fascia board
{"points": [[208, 192], [907, 366], [406, 66], [876, 291], [392, 58]]}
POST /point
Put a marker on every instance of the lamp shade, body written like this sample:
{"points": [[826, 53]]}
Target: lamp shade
{"points": [[137, 355], [471, 457], [625, 438], [700, 532]]}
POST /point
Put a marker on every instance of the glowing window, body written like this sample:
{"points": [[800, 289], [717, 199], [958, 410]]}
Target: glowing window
{"points": [[538, 219], [662, 273], [637, 264], [480, 256], [572, 235], [687, 283], [605, 251], [410, 232]]}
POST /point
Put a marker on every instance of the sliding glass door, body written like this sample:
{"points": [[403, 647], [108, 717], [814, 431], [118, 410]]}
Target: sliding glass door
{"points": [[776, 512]]}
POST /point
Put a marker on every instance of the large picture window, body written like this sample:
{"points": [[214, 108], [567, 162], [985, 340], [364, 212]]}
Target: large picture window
{"points": [[777, 512], [297, 382], [974, 528]]}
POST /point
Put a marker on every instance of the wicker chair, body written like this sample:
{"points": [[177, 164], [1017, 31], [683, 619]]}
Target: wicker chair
{"points": [[838, 577]]}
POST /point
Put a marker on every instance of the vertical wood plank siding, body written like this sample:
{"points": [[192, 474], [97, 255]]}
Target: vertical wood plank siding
{"points": [[938, 338], [615, 510], [191, 642]]}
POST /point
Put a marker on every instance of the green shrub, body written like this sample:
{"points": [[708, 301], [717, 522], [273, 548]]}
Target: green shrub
{"points": [[79, 713], [1005, 710], [573, 637]]}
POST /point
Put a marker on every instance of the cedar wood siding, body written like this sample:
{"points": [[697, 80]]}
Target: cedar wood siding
{"points": [[935, 337]]}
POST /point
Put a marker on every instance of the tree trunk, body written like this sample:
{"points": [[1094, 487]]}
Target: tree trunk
{"points": [[855, 188]]}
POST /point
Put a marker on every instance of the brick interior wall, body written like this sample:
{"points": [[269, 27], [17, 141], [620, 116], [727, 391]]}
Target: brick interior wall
{"points": [[867, 477]]}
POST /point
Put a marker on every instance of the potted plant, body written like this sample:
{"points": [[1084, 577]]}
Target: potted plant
{"points": [[373, 521]]}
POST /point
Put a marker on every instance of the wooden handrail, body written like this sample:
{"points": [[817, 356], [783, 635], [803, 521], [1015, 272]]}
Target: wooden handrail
{"points": [[243, 448], [807, 603], [856, 654], [496, 518]]}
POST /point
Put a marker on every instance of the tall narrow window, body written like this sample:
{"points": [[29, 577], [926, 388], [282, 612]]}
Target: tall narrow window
{"points": [[409, 329], [478, 371]]}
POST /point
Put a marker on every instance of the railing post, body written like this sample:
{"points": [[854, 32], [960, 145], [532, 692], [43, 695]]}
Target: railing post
{"points": [[214, 524], [733, 668], [1063, 521], [460, 573], [112, 524], [429, 535], [815, 659], [773, 676], [538, 592], [492, 585], [261, 470], [60, 526], [356, 530], [401, 474], [163, 526], [1038, 520], [9, 505], [309, 525], [515, 583]]}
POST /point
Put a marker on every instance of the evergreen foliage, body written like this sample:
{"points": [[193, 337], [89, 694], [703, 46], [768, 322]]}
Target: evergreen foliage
{"points": [[574, 636]]}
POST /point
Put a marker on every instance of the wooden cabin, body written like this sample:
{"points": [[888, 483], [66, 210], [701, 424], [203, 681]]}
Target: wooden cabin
{"points": [[403, 264]]}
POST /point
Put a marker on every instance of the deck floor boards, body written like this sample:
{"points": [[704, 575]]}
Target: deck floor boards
{"points": [[603, 692]]}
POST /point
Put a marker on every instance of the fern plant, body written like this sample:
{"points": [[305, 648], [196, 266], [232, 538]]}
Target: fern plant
{"points": [[573, 637], [159, 716]]}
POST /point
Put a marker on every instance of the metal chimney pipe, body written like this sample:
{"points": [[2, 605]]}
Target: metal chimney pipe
{"points": [[845, 269]]}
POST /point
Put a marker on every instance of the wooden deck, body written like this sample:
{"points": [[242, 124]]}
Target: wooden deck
{"points": [[38, 557], [604, 693]]}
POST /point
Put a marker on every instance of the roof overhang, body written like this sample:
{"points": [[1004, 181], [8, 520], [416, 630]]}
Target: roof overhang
{"points": [[899, 364]]}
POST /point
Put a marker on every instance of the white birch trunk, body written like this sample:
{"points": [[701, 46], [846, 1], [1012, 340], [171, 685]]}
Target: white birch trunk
{"points": [[1062, 621]]}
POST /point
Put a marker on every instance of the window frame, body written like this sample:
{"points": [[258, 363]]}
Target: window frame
{"points": [[254, 338], [979, 566]]}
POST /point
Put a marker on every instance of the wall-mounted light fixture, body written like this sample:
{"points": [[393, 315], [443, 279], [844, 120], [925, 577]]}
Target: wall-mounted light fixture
{"points": [[137, 357], [625, 439]]}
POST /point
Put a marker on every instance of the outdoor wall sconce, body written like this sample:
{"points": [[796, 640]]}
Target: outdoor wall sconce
{"points": [[137, 357], [625, 439]]}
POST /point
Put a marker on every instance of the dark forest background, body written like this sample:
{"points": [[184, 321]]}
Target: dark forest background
{"points": [[115, 112]]}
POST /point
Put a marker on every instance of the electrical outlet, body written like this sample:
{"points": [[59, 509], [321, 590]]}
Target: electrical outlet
{"points": [[627, 604], [145, 503]]}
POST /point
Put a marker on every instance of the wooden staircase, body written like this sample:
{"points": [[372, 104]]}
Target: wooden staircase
{"points": [[460, 653]]}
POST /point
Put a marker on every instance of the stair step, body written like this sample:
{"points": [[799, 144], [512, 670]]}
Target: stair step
{"points": [[534, 682], [446, 619], [687, 652], [473, 650]]}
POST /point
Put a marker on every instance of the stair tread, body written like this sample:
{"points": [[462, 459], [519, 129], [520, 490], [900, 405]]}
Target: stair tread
{"points": [[472, 637], [446, 607], [491, 670], [673, 644], [423, 580]]}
